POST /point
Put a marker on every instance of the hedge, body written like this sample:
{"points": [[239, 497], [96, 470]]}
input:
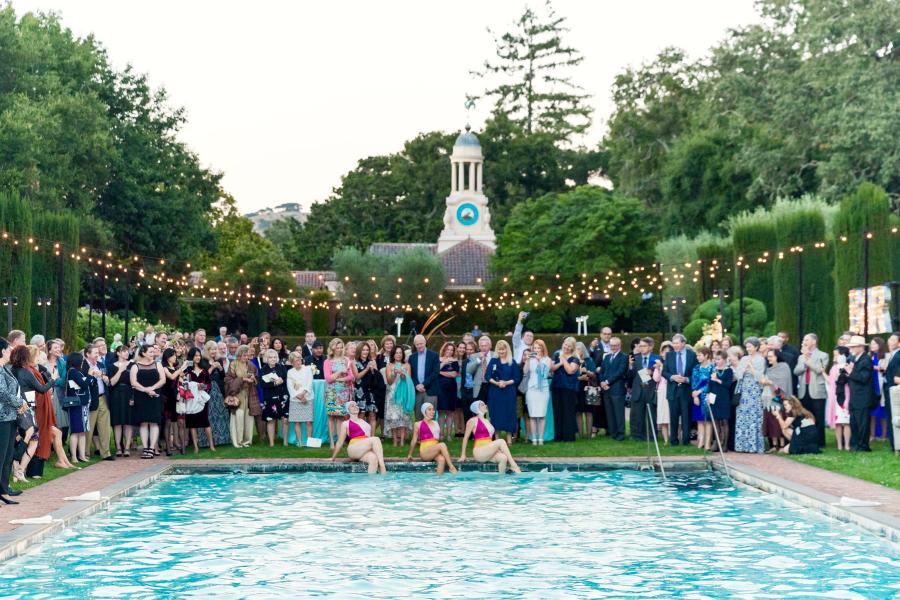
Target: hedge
{"points": [[752, 235], [51, 228], [866, 211], [15, 259], [802, 223]]}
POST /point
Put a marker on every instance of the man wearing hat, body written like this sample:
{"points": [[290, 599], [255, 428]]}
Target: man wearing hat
{"points": [[316, 360], [859, 375]]}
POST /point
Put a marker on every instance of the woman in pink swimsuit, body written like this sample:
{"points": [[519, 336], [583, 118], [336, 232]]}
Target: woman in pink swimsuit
{"points": [[362, 446], [486, 448], [428, 433]]}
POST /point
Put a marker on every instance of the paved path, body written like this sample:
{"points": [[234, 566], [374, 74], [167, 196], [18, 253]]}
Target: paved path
{"points": [[48, 497], [825, 482]]}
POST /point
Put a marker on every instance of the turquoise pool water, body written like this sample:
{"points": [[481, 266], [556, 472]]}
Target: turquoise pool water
{"points": [[476, 535]]}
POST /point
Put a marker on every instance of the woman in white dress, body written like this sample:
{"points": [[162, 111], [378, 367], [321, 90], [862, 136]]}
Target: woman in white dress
{"points": [[662, 402], [302, 406], [536, 373]]}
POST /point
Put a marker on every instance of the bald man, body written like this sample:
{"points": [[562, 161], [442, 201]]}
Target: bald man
{"points": [[425, 367]]}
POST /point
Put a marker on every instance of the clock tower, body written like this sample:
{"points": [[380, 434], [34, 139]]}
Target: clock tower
{"points": [[467, 215]]}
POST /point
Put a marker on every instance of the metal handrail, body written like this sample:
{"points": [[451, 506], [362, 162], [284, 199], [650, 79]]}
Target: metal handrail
{"points": [[718, 440], [652, 429]]}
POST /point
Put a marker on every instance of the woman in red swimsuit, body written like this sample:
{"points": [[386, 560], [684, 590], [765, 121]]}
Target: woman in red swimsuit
{"points": [[428, 433], [486, 448], [362, 447]]}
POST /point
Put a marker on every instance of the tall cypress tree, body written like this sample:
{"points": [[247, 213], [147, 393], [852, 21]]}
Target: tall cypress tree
{"points": [[15, 259], [803, 223], [867, 211], [753, 235], [51, 229], [535, 90]]}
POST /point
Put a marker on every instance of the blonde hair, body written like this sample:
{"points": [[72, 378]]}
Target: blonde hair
{"points": [[386, 338], [33, 352], [293, 356], [270, 353], [332, 345], [209, 350], [509, 356], [569, 340]]}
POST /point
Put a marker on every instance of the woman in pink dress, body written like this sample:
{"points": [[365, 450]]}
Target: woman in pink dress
{"points": [[662, 403], [837, 413]]}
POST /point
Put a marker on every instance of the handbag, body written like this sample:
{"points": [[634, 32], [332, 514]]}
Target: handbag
{"points": [[70, 402], [232, 402], [593, 396]]}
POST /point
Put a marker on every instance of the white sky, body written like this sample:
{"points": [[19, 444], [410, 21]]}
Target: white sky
{"points": [[285, 97]]}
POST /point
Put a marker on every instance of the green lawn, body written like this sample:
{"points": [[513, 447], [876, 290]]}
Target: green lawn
{"points": [[879, 466]]}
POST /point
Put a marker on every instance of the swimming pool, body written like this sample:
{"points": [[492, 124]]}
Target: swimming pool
{"points": [[476, 535]]}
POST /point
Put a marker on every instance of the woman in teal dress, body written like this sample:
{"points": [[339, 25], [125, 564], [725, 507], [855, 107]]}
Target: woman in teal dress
{"points": [[700, 377], [400, 397]]}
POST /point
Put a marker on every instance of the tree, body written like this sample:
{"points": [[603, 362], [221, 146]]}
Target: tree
{"points": [[653, 105], [803, 223], [537, 93], [586, 230], [753, 237], [16, 223], [865, 212], [49, 229]]}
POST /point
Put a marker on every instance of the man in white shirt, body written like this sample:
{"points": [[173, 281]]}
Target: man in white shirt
{"points": [[522, 338]]}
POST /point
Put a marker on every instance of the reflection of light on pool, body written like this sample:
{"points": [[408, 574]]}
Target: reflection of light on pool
{"points": [[616, 533]]}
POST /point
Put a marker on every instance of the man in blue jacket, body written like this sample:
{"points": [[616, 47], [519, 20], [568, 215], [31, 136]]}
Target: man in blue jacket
{"points": [[612, 381], [425, 367], [677, 369]]}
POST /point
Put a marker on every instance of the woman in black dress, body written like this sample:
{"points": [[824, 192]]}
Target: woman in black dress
{"points": [[448, 400], [121, 401], [176, 436], [198, 372], [147, 378], [799, 427], [273, 380], [718, 395], [366, 378]]}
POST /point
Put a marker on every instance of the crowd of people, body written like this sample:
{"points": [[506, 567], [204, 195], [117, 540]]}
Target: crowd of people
{"points": [[180, 391]]}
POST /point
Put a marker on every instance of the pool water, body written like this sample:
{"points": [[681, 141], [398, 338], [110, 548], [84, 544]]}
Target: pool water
{"points": [[476, 535]]}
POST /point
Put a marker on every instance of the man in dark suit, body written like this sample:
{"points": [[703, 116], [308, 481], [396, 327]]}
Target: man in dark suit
{"points": [[891, 380], [612, 382], [307, 348], [860, 374], [425, 367], [677, 368], [791, 356], [643, 389]]}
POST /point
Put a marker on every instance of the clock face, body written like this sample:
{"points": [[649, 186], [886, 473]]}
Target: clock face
{"points": [[467, 214]]}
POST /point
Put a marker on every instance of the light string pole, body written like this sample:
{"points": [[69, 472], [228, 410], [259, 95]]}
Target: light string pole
{"points": [[9, 302], [43, 303]]}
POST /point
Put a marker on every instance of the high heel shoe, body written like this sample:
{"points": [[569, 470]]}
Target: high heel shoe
{"points": [[6, 500], [20, 476]]}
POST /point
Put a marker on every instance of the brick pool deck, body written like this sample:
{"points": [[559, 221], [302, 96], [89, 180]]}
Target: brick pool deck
{"points": [[776, 473]]}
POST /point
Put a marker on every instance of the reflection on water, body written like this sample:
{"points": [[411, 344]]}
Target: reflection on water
{"points": [[475, 535]]}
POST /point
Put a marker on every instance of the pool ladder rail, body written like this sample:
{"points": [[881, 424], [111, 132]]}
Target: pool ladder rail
{"points": [[718, 442], [652, 429]]}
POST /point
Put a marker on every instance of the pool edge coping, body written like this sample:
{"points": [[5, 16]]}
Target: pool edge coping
{"points": [[867, 518]]}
